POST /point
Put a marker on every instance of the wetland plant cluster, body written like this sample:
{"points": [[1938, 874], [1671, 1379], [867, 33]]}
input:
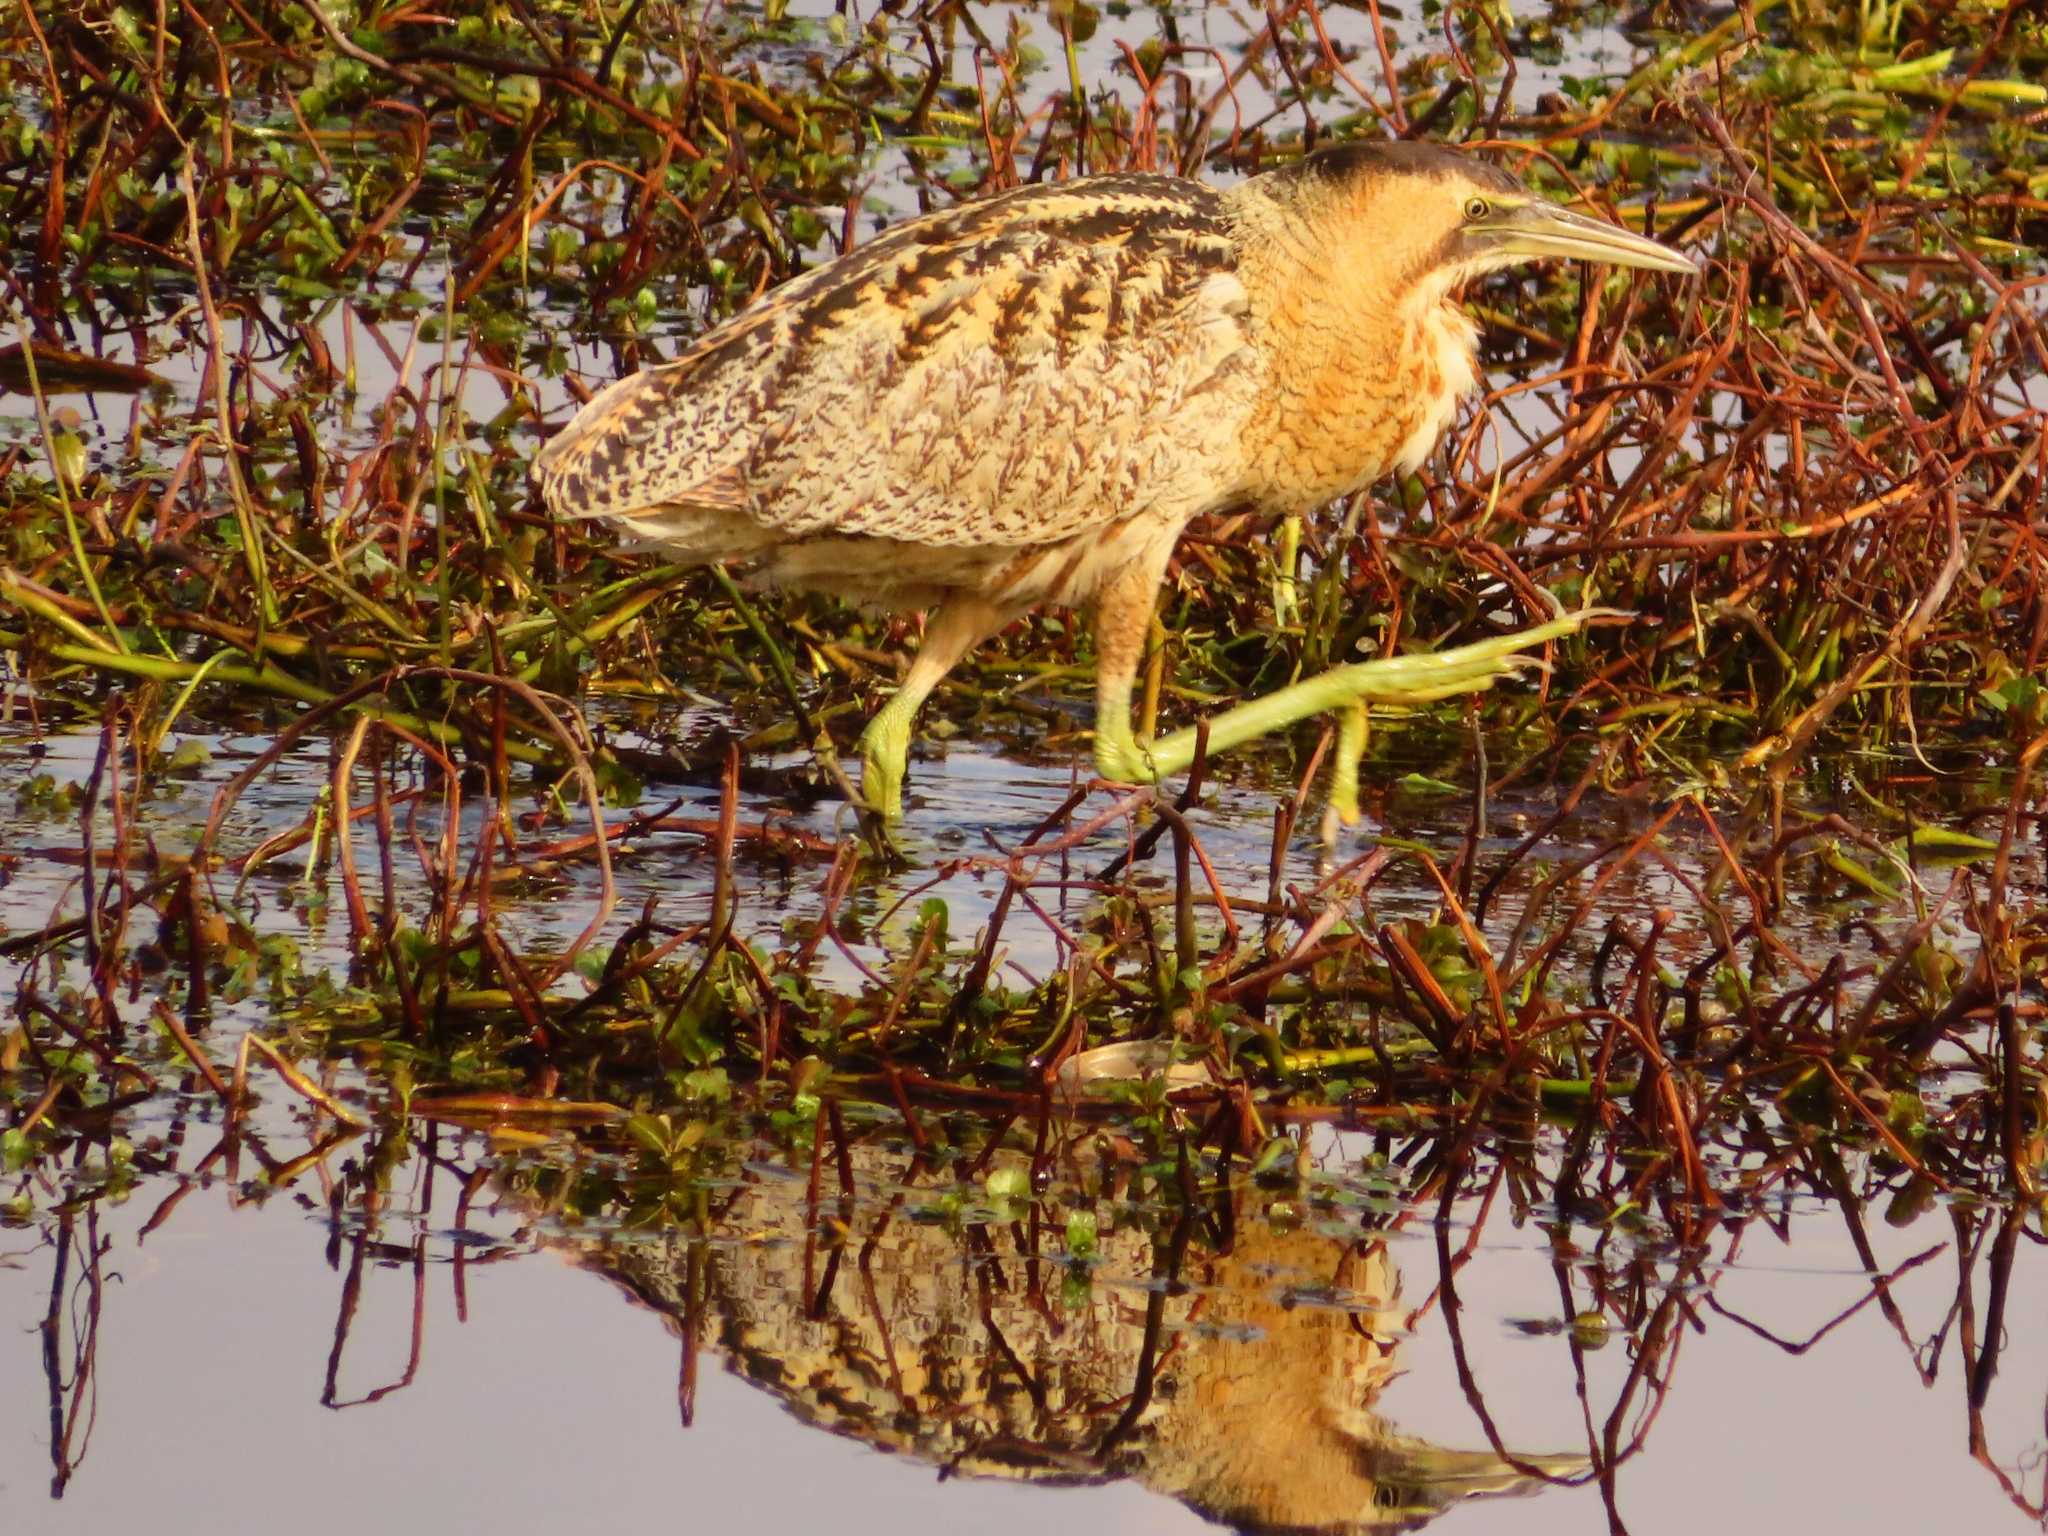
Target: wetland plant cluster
{"points": [[297, 288]]}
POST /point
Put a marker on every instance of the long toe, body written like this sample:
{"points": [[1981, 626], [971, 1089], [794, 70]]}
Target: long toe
{"points": [[883, 763], [881, 786]]}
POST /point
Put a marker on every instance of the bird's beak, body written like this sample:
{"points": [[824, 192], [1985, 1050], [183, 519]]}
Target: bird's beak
{"points": [[1536, 229]]}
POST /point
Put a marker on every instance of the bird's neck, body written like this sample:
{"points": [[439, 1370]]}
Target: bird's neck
{"points": [[1365, 363], [1443, 336]]}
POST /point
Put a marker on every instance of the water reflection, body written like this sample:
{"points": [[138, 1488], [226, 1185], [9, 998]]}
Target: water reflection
{"points": [[1367, 1347], [1376, 1343], [1232, 1365]]}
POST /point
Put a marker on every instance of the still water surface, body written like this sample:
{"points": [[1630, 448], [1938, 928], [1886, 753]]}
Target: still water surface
{"points": [[487, 1344]]}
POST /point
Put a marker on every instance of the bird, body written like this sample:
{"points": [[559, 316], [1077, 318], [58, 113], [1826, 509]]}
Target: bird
{"points": [[1243, 1379], [1024, 399]]}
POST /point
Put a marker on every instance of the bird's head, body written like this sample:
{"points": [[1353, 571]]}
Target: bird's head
{"points": [[1444, 216]]}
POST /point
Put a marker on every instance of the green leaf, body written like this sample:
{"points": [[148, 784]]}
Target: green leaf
{"points": [[1081, 1234], [707, 1083], [650, 1132], [16, 1150], [1008, 1184], [1423, 784]]}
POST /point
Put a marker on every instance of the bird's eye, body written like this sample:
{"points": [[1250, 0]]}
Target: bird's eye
{"points": [[1477, 208]]}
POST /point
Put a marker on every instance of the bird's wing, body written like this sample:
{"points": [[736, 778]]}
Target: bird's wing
{"points": [[1008, 372]]}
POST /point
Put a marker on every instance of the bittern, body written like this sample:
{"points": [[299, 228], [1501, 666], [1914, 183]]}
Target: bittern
{"points": [[1243, 1380], [1024, 400]]}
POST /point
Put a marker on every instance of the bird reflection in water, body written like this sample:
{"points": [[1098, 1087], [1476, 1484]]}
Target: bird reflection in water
{"points": [[1232, 1365]]}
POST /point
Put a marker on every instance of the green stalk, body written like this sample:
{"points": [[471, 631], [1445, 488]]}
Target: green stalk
{"points": [[269, 679], [35, 389], [442, 579]]}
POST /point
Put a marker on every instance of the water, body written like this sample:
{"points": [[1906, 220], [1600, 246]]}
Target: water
{"points": [[545, 1386], [497, 1325]]}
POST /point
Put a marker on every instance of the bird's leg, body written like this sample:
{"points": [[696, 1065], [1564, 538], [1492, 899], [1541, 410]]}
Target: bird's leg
{"points": [[1286, 589], [1353, 728], [959, 624], [1413, 679], [1123, 619]]}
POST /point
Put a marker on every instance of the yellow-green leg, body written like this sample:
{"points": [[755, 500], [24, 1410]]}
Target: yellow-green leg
{"points": [[958, 625], [1125, 607], [1352, 733], [1286, 589], [1123, 618]]}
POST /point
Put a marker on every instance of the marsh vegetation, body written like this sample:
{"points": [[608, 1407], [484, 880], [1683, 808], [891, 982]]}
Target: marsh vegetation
{"points": [[380, 851]]}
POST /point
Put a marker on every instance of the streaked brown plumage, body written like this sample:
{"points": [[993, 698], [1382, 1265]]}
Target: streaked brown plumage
{"points": [[1253, 1401], [1024, 400]]}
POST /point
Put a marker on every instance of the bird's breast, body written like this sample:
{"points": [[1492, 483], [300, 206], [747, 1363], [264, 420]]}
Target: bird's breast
{"points": [[1357, 398], [1445, 346]]}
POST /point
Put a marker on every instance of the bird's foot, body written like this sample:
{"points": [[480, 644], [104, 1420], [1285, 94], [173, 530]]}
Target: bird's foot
{"points": [[1122, 759], [1416, 678], [1424, 677], [881, 840], [884, 761]]}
